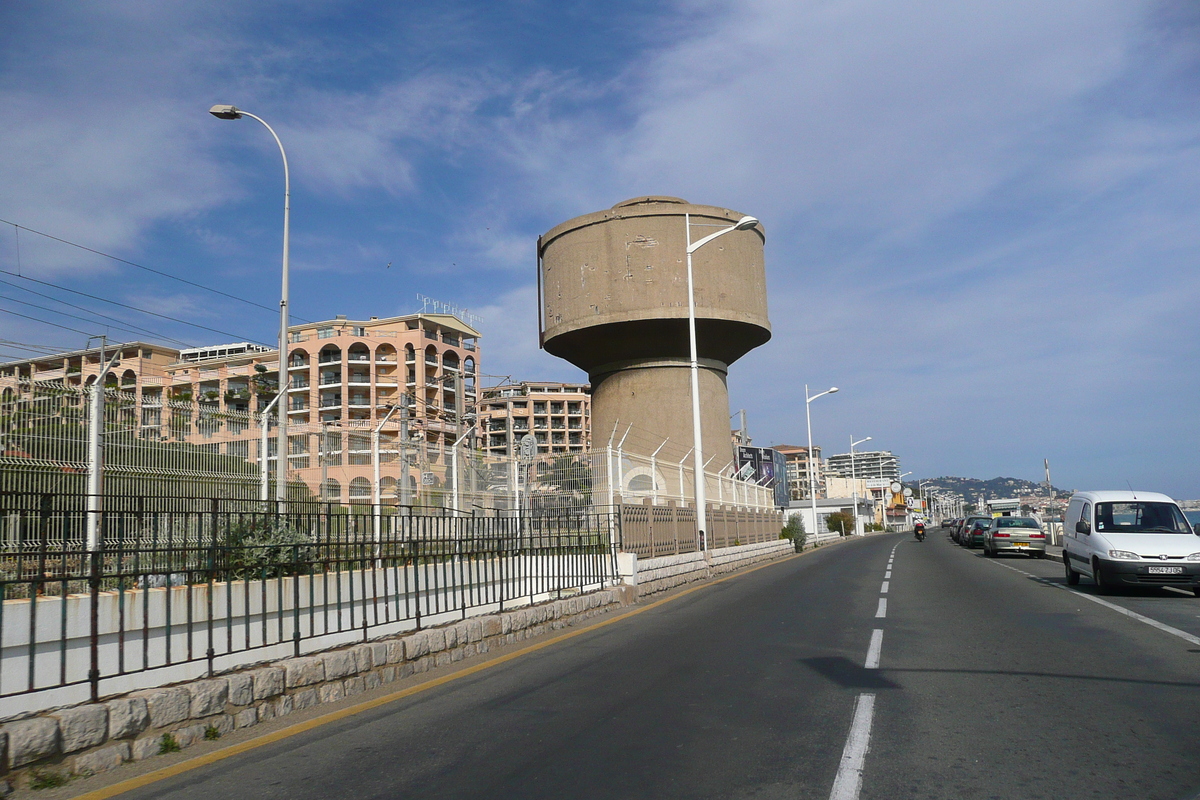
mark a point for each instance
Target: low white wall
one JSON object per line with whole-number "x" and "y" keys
{"x": 652, "y": 575}
{"x": 145, "y": 639}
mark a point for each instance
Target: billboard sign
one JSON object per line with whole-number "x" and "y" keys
{"x": 766, "y": 467}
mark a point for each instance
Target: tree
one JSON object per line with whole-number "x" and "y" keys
{"x": 840, "y": 522}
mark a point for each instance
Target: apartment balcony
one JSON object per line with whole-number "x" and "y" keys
{"x": 385, "y": 359}
{"x": 431, "y": 362}
{"x": 359, "y": 357}
{"x": 469, "y": 345}
{"x": 298, "y": 365}
{"x": 331, "y": 402}
{"x": 331, "y": 380}
{"x": 330, "y": 359}
{"x": 360, "y": 402}
{"x": 296, "y": 386}
{"x": 385, "y": 382}
{"x": 360, "y": 380}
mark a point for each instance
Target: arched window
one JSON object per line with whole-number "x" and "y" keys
{"x": 358, "y": 352}
{"x": 469, "y": 374}
{"x": 331, "y": 354}
{"x": 360, "y": 489}
{"x": 385, "y": 352}
{"x": 128, "y": 378}
{"x": 641, "y": 483}
{"x": 331, "y": 491}
{"x": 298, "y": 358}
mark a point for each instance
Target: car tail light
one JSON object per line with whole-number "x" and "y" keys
{"x": 1001, "y": 535}
{"x": 1037, "y": 536}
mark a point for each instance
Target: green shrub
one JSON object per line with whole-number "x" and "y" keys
{"x": 168, "y": 744}
{"x": 265, "y": 548}
{"x": 211, "y": 733}
{"x": 794, "y": 530}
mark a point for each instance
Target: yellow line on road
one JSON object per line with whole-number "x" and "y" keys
{"x": 333, "y": 716}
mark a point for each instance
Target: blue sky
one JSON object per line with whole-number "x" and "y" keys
{"x": 981, "y": 217}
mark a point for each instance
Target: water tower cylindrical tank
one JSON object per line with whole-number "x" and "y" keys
{"x": 614, "y": 302}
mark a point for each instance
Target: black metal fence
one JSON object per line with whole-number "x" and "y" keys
{"x": 172, "y": 584}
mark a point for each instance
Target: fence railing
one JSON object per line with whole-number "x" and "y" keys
{"x": 226, "y": 586}
{"x": 659, "y": 530}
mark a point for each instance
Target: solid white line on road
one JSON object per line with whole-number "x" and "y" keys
{"x": 883, "y": 588}
{"x": 882, "y": 610}
{"x": 873, "y": 650}
{"x": 848, "y": 782}
{"x": 1153, "y": 623}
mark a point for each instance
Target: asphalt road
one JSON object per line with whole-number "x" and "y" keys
{"x": 978, "y": 678}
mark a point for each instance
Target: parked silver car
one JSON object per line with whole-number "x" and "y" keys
{"x": 1014, "y": 535}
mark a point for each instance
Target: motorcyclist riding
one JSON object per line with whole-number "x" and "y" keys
{"x": 919, "y": 530}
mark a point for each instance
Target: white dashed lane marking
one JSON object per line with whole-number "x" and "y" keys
{"x": 848, "y": 782}
{"x": 873, "y": 651}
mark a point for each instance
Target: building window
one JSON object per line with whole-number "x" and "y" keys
{"x": 326, "y": 333}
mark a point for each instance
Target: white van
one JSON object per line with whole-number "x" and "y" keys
{"x": 1130, "y": 539}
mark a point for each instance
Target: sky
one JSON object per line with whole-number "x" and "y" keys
{"x": 981, "y": 217}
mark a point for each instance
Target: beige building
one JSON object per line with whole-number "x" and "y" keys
{"x": 797, "y": 459}
{"x": 557, "y": 414}
{"x": 344, "y": 377}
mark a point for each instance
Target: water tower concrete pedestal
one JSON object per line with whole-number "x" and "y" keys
{"x": 614, "y": 302}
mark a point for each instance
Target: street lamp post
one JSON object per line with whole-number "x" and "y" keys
{"x": 742, "y": 224}
{"x": 812, "y": 485}
{"x": 900, "y": 480}
{"x": 854, "y": 481}
{"x": 281, "y": 432}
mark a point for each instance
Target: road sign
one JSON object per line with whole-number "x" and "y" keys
{"x": 427, "y": 479}
{"x": 528, "y": 446}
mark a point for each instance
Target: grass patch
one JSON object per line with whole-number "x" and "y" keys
{"x": 48, "y": 779}
{"x": 211, "y": 733}
{"x": 168, "y": 744}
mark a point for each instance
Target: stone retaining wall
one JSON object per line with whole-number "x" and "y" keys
{"x": 96, "y": 737}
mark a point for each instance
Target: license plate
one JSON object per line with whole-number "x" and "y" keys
{"x": 1165, "y": 570}
{"x": 1020, "y": 544}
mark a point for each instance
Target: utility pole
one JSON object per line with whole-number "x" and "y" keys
{"x": 405, "y": 493}
{"x": 95, "y": 462}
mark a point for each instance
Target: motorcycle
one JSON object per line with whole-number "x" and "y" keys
{"x": 919, "y": 530}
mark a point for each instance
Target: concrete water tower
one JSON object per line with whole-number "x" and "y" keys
{"x": 613, "y": 296}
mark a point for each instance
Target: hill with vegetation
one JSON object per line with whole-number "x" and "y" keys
{"x": 992, "y": 489}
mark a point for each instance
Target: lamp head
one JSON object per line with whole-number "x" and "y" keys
{"x": 225, "y": 112}
{"x": 833, "y": 390}
{"x": 745, "y": 223}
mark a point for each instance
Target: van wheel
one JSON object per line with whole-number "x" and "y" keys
{"x": 1103, "y": 585}
{"x": 1072, "y": 575}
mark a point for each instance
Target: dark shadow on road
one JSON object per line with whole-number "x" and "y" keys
{"x": 846, "y": 673}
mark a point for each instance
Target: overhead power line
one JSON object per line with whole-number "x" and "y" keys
{"x": 19, "y": 227}
{"x": 119, "y": 327}
{"x": 131, "y": 308}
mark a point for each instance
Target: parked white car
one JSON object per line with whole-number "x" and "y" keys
{"x": 1130, "y": 539}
